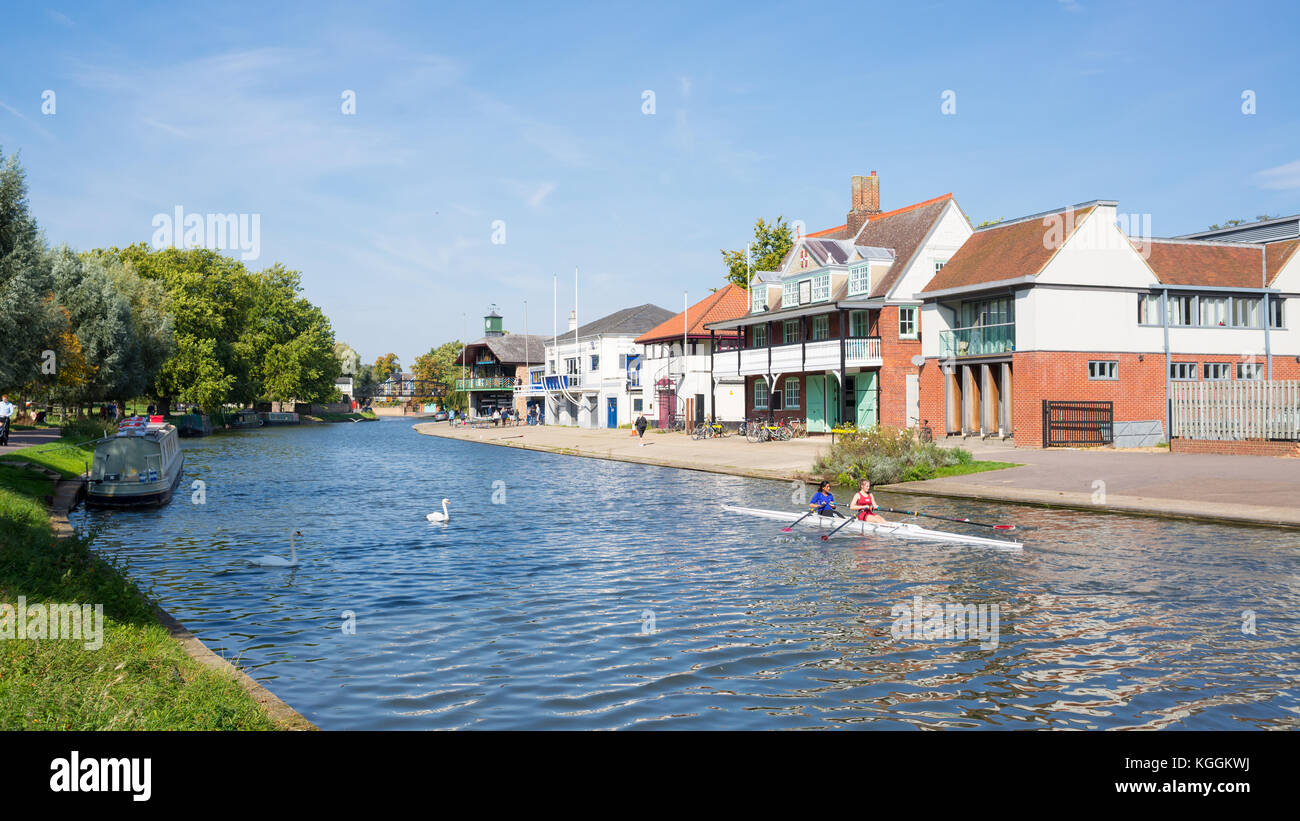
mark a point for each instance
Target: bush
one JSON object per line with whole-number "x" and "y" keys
{"x": 886, "y": 456}
{"x": 84, "y": 429}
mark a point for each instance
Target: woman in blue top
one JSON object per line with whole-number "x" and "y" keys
{"x": 823, "y": 501}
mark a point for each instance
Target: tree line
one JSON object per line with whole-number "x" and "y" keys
{"x": 176, "y": 325}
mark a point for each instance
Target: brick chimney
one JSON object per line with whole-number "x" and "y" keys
{"x": 866, "y": 202}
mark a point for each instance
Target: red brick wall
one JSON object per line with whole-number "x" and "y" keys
{"x": 1138, "y": 394}
{"x": 897, "y": 357}
{"x": 779, "y": 415}
{"x": 1248, "y": 447}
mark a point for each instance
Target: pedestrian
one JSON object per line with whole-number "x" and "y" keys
{"x": 641, "y": 425}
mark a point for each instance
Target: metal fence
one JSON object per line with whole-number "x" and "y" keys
{"x": 1235, "y": 409}
{"x": 1078, "y": 423}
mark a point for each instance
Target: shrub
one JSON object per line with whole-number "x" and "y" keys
{"x": 886, "y": 456}
{"x": 84, "y": 429}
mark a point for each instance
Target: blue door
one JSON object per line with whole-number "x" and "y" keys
{"x": 613, "y": 412}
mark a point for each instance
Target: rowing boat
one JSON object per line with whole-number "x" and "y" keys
{"x": 898, "y": 530}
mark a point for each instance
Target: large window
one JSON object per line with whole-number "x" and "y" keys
{"x": 792, "y": 393}
{"x": 988, "y": 312}
{"x": 571, "y": 365}
{"x": 1182, "y": 310}
{"x": 789, "y": 294}
{"x": 859, "y": 324}
{"x": 859, "y": 280}
{"x": 1182, "y": 370}
{"x": 1250, "y": 370}
{"x": 758, "y": 335}
{"x": 1149, "y": 309}
{"x": 1103, "y": 369}
{"x": 1210, "y": 311}
{"x": 821, "y": 287}
{"x": 758, "y": 298}
{"x": 1214, "y": 310}
{"x": 791, "y": 331}
{"x": 821, "y": 327}
{"x": 760, "y": 395}
{"x": 907, "y": 322}
{"x": 1275, "y": 315}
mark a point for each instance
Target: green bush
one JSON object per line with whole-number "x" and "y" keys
{"x": 886, "y": 456}
{"x": 84, "y": 429}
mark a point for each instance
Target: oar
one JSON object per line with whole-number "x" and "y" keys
{"x": 826, "y": 537}
{"x": 790, "y": 526}
{"x": 945, "y": 518}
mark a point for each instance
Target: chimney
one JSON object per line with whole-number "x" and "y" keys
{"x": 865, "y": 203}
{"x": 573, "y": 320}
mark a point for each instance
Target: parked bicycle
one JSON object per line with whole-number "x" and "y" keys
{"x": 707, "y": 430}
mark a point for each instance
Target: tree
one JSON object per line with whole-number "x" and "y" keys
{"x": 288, "y": 341}
{"x": 29, "y": 320}
{"x": 438, "y": 365}
{"x": 100, "y": 319}
{"x": 365, "y": 385}
{"x": 772, "y": 241}
{"x": 387, "y": 365}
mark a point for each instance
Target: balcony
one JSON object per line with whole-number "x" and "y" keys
{"x": 822, "y": 355}
{"x": 555, "y": 382}
{"x": 486, "y": 383}
{"x": 979, "y": 340}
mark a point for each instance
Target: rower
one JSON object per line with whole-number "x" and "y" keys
{"x": 823, "y": 501}
{"x": 864, "y": 504}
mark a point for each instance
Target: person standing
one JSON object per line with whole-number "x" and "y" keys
{"x": 641, "y": 424}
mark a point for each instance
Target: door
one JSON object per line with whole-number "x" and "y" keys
{"x": 865, "y": 388}
{"x": 816, "y": 404}
{"x": 913, "y": 399}
{"x": 699, "y": 409}
{"x": 612, "y": 412}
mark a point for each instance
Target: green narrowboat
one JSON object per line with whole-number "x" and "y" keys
{"x": 139, "y": 466}
{"x": 245, "y": 419}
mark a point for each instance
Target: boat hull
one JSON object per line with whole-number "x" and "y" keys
{"x": 134, "y": 494}
{"x": 897, "y": 530}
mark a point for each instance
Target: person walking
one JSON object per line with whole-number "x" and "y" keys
{"x": 641, "y": 425}
{"x": 6, "y": 419}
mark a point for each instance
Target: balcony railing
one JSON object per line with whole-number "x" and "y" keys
{"x": 823, "y": 354}
{"x": 486, "y": 383}
{"x": 979, "y": 340}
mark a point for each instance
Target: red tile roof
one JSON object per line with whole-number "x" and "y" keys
{"x": 829, "y": 231}
{"x": 903, "y": 230}
{"x": 1226, "y": 265}
{"x": 1005, "y": 251}
{"x": 730, "y": 302}
{"x": 1279, "y": 254}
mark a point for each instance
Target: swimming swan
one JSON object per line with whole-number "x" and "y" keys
{"x": 440, "y": 517}
{"x": 280, "y": 561}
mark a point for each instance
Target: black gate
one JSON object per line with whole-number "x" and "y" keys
{"x": 1078, "y": 423}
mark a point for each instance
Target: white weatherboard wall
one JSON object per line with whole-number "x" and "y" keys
{"x": 946, "y": 236}
{"x": 609, "y": 380}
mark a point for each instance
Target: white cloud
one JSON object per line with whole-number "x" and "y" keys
{"x": 1282, "y": 177}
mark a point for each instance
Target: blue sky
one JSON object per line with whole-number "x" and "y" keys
{"x": 471, "y": 113}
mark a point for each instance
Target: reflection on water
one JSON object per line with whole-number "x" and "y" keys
{"x": 610, "y": 595}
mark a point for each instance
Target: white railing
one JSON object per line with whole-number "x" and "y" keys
{"x": 1235, "y": 409}
{"x": 862, "y": 351}
{"x": 822, "y": 354}
{"x": 787, "y": 358}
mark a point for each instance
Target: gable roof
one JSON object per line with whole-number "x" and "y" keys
{"x": 1008, "y": 250}
{"x": 635, "y": 320}
{"x": 723, "y": 304}
{"x": 511, "y": 349}
{"x": 1216, "y": 264}
{"x": 903, "y": 229}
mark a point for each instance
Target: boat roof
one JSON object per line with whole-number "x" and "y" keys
{"x": 152, "y": 427}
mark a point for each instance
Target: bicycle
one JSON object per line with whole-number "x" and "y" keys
{"x": 757, "y": 432}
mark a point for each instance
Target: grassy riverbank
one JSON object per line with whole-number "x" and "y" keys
{"x": 890, "y": 456}
{"x": 140, "y": 678}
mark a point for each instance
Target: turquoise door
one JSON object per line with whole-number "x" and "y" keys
{"x": 822, "y": 402}
{"x": 865, "y": 387}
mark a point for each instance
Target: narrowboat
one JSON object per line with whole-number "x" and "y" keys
{"x": 139, "y": 466}
{"x": 245, "y": 419}
{"x": 195, "y": 424}
{"x": 279, "y": 418}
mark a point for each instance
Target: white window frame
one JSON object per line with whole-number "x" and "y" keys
{"x": 908, "y": 310}
{"x": 821, "y": 287}
{"x": 1103, "y": 370}
{"x": 805, "y": 293}
{"x": 760, "y": 389}
{"x": 821, "y": 327}
{"x": 866, "y": 324}
{"x": 860, "y": 279}
{"x": 789, "y": 294}
{"x": 758, "y": 298}
{"x": 791, "y": 382}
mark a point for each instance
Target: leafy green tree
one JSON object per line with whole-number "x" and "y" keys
{"x": 386, "y": 366}
{"x": 29, "y": 320}
{"x": 100, "y": 318}
{"x": 365, "y": 385}
{"x": 438, "y": 365}
{"x": 290, "y": 341}
{"x": 772, "y": 241}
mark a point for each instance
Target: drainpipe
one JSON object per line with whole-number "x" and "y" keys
{"x": 1263, "y": 277}
{"x": 713, "y": 386}
{"x": 1164, "y": 320}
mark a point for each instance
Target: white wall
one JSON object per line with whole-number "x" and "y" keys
{"x": 947, "y": 235}
{"x": 1097, "y": 253}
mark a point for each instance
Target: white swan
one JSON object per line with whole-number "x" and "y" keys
{"x": 440, "y": 517}
{"x": 280, "y": 561}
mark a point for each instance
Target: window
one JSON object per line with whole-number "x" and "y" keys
{"x": 907, "y": 322}
{"x": 791, "y": 331}
{"x": 622, "y": 361}
{"x": 988, "y": 312}
{"x": 1250, "y": 370}
{"x": 789, "y": 294}
{"x": 821, "y": 327}
{"x": 1245, "y": 312}
{"x": 859, "y": 324}
{"x": 938, "y": 265}
{"x": 1214, "y": 310}
{"x": 760, "y": 395}
{"x": 637, "y": 406}
{"x": 1104, "y": 369}
{"x": 758, "y": 336}
{"x": 571, "y": 365}
{"x": 805, "y": 291}
{"x": 1215, "y": 370}
{"x": 1182, "y": 370}
{"x": 758, "y": 298}
{"x": 821, "y": 287}
{"x": 595, "y": 363}
{"x": 860, "y": 279}
{"x": 1149, "y": 309}
{"x": 550, "y": 366}
{"x": 1182, "y": 310}
{"x": 792, "y": 393}
{"x": 1275, "y": 316}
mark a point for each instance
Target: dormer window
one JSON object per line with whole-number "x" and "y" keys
{"x": 758, "y": 299}
{"x": 859, "y": 280}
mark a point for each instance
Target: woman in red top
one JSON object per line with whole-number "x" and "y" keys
{"x": 864, "y": 504}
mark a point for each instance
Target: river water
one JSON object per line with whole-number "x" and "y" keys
{"x": 573, "y": 593}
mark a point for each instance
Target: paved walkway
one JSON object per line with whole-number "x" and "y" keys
{"x": 1237, "y": 489}
{"x": 27, "y": 438}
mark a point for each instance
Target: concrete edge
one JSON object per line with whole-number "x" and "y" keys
{"x": 1133, "y": 506}
{"x": 68, "y": 493}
